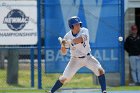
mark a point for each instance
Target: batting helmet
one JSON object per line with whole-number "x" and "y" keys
{"x": 74, "y": 20}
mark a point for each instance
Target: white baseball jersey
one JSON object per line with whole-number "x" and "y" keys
{"x": 81, "y": 49}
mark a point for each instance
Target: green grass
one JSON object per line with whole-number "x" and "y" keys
{"x": 124, "y": 88}
{"x": 78, "y": 81}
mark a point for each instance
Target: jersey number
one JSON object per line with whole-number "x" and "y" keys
{"x": 84, "y": 44}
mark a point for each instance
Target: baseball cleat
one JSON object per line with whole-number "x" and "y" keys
{"x": 104, "y": 92}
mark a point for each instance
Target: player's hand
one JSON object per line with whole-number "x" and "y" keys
{"x": 63, "y": 51}
{"x": 63, "y": 47}
{"x": 63, "y": 43}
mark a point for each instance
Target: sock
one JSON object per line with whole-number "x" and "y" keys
{"x": 56, "y": 86}
{"x": 102, "y": 82}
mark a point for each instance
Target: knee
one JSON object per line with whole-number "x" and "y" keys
{"x": 63, "y": 79}
{"x": 101, "y": 71}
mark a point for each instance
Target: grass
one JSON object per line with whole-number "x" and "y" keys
{"x": 78, "y": 81}
{"x": 124, "y": 88}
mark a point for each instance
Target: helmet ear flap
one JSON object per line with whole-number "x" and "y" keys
{"x": 80, "y": 24}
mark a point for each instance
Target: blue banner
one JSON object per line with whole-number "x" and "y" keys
{"x": 101, "y": 17}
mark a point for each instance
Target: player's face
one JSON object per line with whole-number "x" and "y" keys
{"x": 76, "y": 28}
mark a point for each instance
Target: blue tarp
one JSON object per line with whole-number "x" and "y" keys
{"x": 101, "y": 17}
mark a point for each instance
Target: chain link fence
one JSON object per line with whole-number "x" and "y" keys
{"x": 15, "y": 68}
{"x": 15, "y": 71}
{"x": 15, "y": 60}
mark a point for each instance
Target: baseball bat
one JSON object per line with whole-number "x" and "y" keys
{"x": 60, "y": 39}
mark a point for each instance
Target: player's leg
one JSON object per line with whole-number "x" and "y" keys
{"x": 72, "y": 67}
{"x": 102, "y": 82}
{"x": 56, "y": 86}
{"x": 94, "y": 65}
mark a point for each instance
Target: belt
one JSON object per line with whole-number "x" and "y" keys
{"x": 84, "y": 56}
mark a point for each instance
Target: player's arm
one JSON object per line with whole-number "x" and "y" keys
{"x": 77, "y": 40}
{"x": 80, "y": 39}
{"x": 63, "y": 48}
{"x": 63, "y": 44}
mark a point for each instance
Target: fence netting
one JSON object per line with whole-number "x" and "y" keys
{"x": 15, "y": 67}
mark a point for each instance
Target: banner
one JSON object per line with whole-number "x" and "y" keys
{"x": 18, "y": 22}
{"x": 101, "y": 17}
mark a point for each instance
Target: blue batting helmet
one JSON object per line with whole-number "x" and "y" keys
{"x": 74, "y": 20}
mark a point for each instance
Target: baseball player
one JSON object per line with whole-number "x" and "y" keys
{"x": 77, "y": 40}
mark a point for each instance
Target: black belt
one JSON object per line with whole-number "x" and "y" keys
{"x": 84, "y": 56}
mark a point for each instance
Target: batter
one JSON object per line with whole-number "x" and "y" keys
{"x": 77, "y": 40}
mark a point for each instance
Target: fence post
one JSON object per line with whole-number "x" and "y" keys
{"x": 32, "y": 67}
{"x": 39, "y": 44}
{"x": 122, "y": 46}
{"x": 2, "y": 57}
{"x": 12, "y": 68}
